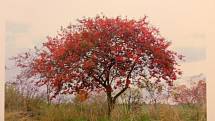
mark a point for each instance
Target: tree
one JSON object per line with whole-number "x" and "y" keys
{"x": 190, "y": 95}
{"x": 102, "y": 54}
{"x": 154, "y": 90}
{"x": 131, "y": 97}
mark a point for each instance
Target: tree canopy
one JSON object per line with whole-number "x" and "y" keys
{"x": 101, "y": 54}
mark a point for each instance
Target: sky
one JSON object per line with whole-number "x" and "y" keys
{"x": 189, "y": 24}
{"x": 182, "y": 22}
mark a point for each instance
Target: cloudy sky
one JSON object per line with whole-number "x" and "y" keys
{"x": 182, "y": 22}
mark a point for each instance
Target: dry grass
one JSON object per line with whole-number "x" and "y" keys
{"x": 38, "y": 110}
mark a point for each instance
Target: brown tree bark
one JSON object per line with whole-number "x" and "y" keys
{"x": 110, "y": 103}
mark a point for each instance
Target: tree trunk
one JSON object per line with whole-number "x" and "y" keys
{"x": 110, "y": 103}
{"x": 48, "y": 93}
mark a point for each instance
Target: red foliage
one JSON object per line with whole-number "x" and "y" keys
{"x": 96, "y": 52}
{"x": 190, "y": 95}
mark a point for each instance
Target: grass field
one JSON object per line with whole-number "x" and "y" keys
{"x": 20, "y": 108}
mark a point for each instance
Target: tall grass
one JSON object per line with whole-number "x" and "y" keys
{"x": 18, "y": 108}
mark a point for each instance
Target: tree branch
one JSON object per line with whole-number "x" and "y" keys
{"x": 108, "y": 71}
{"x": 123, "y": 90}
{"x": 98, "y": 80}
